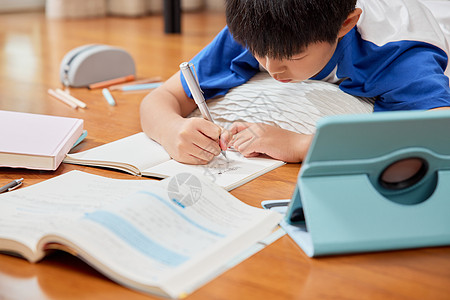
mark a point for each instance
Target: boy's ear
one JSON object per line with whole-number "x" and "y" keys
{"x": 350, "y": 22}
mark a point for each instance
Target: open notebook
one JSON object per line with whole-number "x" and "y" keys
{"x": 140, "y": 155}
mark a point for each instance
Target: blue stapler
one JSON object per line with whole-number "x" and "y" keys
{"x": 372, "y": 183}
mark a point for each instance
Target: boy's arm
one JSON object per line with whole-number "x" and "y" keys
{"x": 188, "y": 140}
{"x": 441, "y": 108}
{"x": 412, "y": 78}
{"x": 221, "y": 65}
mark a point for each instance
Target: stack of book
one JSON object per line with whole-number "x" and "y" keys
{"x": 36, "y": 141}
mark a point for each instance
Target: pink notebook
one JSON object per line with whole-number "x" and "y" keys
{"x": 36, "y": 141}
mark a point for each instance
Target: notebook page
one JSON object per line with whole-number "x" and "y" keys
{"x": 227, "y": 173}
{"x": 137, "y": 150}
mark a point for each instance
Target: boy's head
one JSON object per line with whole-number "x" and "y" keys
{"x": 292, "y": 39}
{"x": 283, "y": 28}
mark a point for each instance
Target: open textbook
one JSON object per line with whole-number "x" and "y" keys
{"x": 140, "y": 155}
{"x": 164, "y": 237}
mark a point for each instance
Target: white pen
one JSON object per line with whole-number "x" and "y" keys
{"x": 108, "y": 96}
{"x": 196, "y": 92}
{"x": 71, "y": 98}
{"x": 62, "y": 99}
{"x": 11, "y": 186}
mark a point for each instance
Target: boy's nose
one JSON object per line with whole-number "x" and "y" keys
{"x": 274, "y": 66}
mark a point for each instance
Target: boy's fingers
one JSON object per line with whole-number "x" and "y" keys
{"x": 241, "y": 141}
{"x": 225, "y": 139}
{"x": 244, "y": 147}
{"x": 253, "y": 154}
{"x": 202, "y": 156}
{"x": 199, "y": 155}
{"x": 210, "y": 129}
{"x": 206, "y": 145}
{"x": 207, "y": 140}
{"x": 238, "y": 126}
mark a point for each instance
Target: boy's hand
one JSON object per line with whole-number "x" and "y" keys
{"x": 193, "y": 141}
{"x": 253, "y": 139}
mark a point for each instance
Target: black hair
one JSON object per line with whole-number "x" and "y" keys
{"x": 283, "y": 28}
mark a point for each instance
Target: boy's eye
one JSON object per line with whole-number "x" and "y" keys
{"x": 297, "y": 58}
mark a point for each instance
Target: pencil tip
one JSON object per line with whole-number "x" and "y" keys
{"x": 224, "y": 155}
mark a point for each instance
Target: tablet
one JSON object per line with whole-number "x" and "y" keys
{"x": 374, "y": 182}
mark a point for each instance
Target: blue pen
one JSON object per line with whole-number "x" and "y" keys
{"x": 144, "y": 86}
{"x": 108, "y": 97}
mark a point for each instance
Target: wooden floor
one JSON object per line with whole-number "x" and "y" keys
{"x": 31, "y": 49}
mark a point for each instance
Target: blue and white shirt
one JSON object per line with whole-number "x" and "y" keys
{"x": 397, "y": 53}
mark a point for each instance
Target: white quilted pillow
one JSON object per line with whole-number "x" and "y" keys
{"x": 292, "y": 106}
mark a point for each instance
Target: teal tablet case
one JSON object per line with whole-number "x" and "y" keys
{"x": 374, "y": 182}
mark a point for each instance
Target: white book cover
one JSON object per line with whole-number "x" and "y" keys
{"x": 36, "y": 141}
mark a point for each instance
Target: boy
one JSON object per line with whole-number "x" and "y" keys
{"x": 391, "y": 50}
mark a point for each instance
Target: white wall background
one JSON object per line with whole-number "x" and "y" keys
{"x": 17, "y": 5}
{"x": 125, "y": 7}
